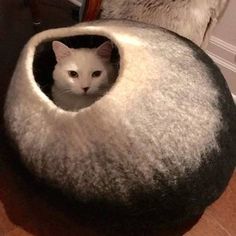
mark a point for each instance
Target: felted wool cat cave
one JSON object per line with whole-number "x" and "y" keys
{"x": 160, "y": 144}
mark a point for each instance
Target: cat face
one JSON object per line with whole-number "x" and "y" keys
{"x": 81, "y": 71}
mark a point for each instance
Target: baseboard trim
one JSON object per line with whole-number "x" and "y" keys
{"x": 223, "y": 53}
{"x": 221, "y": 61}
{"x": 223, "y": 45}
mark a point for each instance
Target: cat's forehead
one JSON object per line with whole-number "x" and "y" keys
{"x": 86, "y": 56}
{"x": 82, "y": 59}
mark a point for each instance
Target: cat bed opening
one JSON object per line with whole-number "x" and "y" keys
{"x": 159, "y": 145}
{"x": 45, "y": 61}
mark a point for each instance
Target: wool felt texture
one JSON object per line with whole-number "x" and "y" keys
{"x": 160, "y": 144}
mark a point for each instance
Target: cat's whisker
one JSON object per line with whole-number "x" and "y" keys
{"x": 65, "y": 91}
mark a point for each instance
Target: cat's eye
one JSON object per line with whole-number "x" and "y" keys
{"x": 73, "y": 74}
{"x": 96, "y": 73}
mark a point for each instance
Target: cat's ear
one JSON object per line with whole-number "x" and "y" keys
{"x": 104, "y": 50}
{"x": 61, "y": 50}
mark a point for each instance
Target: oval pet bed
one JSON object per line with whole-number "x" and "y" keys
{"x": 160, "y": 144}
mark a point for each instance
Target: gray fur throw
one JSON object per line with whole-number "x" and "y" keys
{"x": 192, "y": 19}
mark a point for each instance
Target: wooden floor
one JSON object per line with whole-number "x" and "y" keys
{"x": 26, "y": 207}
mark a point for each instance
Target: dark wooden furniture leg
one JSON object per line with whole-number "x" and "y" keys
{"x": 35, "y": 12}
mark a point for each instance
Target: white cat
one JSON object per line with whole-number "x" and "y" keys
{"x": 80, "y": 76}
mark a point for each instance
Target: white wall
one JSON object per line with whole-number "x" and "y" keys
{"x": 226, "y": 30}
{"x": 222, "y": 46}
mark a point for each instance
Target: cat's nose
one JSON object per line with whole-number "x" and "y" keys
{"x": 85, "y": 89}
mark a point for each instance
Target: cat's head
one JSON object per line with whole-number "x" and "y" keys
{"x": 81, "y": 71}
